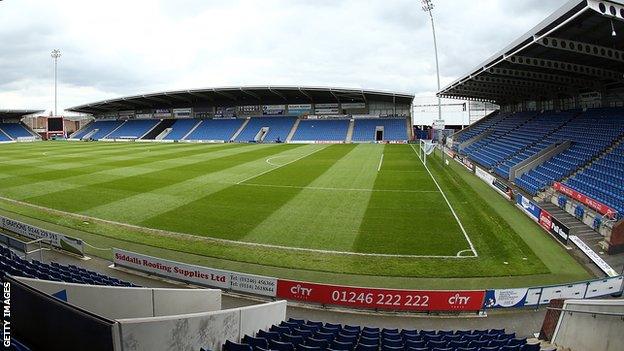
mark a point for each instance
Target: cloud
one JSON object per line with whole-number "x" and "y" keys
{"x": 115, "y": 48}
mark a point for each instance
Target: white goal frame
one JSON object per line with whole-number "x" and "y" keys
{"x": 426, "y": 147}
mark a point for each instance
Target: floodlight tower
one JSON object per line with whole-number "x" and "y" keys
{"x": 427, "y": 6}
{"x": 56, "y": 53}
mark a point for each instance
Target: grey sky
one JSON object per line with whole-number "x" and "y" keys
{"x": 115, "y": 48}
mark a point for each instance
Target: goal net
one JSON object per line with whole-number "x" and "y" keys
{"x": 427, "y": 147}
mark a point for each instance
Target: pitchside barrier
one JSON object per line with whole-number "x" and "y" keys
{"x": 362, "y": 297}
{"x": 549, "y": 223}
{"x": 494, "y": 183}
{"x": 57, "y": 240}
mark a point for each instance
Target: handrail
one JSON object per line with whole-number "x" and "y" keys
{"x": 611, "y": 314}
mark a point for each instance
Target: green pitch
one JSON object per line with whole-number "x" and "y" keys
{"x": 349, "y": 209}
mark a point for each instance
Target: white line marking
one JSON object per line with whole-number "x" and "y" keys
{"x": 459, "y": 254}
{"x": 472, "y": 248}
{"x": 218, "y": 240}
{"x": 333, "y": 189}
{"x": 280, "y": 166}
{"x": 380, "y": 163}
{"x": 268, "y": 160}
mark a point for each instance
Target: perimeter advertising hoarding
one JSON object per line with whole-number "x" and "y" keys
{"x": 582, "y": 198}
{"x": 60, "y": 241}
{"x": 505, "y": 298}
{"x": 273, "y": 109}
{"x": 465, "y": 162}
{"x": 196, "y": 274}
{"x": 604, "y": 266}
{"x": 352, "y": 105}
{"x": 493, "y": 182}
{"x": 529, "y": 207}
{"x": 382, "y": 299}
{"x": 510, "y": 298}
{"x": 553, "y": 226}
{"x": 298, "y": 109}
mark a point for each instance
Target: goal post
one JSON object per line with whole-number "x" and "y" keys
{"x": 427, "y": 147}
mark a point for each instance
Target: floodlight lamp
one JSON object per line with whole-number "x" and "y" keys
{"x": 427, "y": 5}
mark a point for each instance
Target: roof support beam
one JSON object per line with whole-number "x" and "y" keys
{"x": 566, "y": 67}
{"x": 253, "y": 95}
{"x": 124, "y": 104}
{"x": 278, "y": 94}
{"x": 201, "y": 95}
{"x": 179, "y": 98}
{"x": 582, "y": 48}
{"x": 306, "y": 94}
{"x": 507, "y": 90}
{"x": 157, "y": 99}
{"x": 229, "y": 96}
{"x": 497, "y": 81}
{"x": 137, "y": 103}
{"x": 542, "y": 77}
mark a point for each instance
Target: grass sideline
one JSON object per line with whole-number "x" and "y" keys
{"x": 488, "y": 219}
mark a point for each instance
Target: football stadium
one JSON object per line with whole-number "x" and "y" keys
{"x": 315, "y": 218}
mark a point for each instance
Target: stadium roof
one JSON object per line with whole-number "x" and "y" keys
{"x": 240, "y": 96}
{"x": 12, "y": 114}
{"x": 571, "y": 52}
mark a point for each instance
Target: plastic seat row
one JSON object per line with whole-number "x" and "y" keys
{"x": 14, "y": 130}
{"x": 11, "y": 264}
{"x": 300, "y": 335}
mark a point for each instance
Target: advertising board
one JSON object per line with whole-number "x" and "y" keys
{"x": 582, "y": 198}
{"x": 193, "y": 274}
{"x": 529, "y": 207}
{"x": 383, "y": 299}
{"x": 505, "y": 298}
{"x": 60, "y": 241}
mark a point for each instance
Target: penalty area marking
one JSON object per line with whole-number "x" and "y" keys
{"x": 279, "y": 166}
{"x": 218, "y": 240}
{"x": 380, "y": 163}
{"x": 472, "y": 248}
{"x": 333, "y": 189}
{"x": 268, "y": 160}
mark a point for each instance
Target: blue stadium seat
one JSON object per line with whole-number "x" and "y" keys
{"x": 14, "y": 130}
{"x": 133, "y": 129}
{"x": 215, "y": 129}
{"x": 180, "y": 128}
{"x": 395, "y": 129}
{"x": 11, "y": 264}
{"x": 232, "y": 346}
{"x": 321, "y": 130}
{"x": 278, "y": 128}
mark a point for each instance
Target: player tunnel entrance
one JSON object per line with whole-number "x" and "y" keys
{"x": 379, "y": 133}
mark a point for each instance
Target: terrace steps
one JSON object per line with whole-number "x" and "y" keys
{"x": 114, "y": 130}
{"x": 153, "y": 133}
{"x": 192, "y": 129}
{"x": 604, "y": 152}
{"x": 349, "y": 137}
{"x": 240, "y": 130}
{"x": 7, "y": 135}
{"x": 81, "y": 129}
{"x": 546, "y": 136}
{"x": 293, "y": 130}
{"x": 157, "y": 129}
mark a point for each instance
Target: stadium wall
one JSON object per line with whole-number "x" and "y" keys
{"x": 591, "y": 325}
{"x": 190, "y": 332}
{"x": 121, "y": 302}
{"x": 46, "y": 323}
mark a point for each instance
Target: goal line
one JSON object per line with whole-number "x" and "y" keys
{"x": 461, "y": 226}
